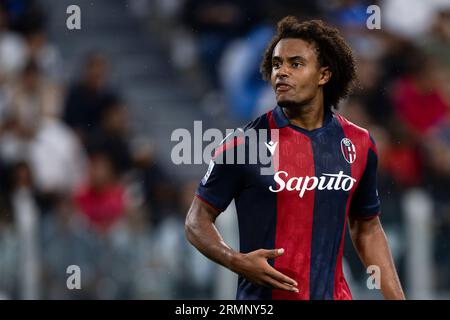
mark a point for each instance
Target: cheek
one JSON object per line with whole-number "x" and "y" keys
{"x": 307, "y": 80}
{"x": 273, "y": 79}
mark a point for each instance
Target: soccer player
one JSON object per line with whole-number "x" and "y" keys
{"x": 292, "y": 223}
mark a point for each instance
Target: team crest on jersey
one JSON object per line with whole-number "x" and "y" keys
{"x": 348, "y": 150}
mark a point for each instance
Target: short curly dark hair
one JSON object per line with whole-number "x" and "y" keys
{"x": 332, "y": 51}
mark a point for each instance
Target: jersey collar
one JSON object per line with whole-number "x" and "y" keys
{"x": 282, "y": 121}
{"x": 280, "y": 118}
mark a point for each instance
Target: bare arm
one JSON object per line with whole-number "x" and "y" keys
{"x": 371, "y": 244}
{"x": 202, "y": 233}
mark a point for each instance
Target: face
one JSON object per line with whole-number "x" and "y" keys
{"x": 116, "y": 119}
{"x": 297, "y": 77}
{"x": 101, "y": 171}
{"x": 96, "y": 72}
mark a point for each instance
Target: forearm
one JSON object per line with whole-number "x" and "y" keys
{"x": 373, "y": 249}
{"x": 202, "y": 233}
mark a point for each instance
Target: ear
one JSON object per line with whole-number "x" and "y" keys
{"x": 325, "y": 75}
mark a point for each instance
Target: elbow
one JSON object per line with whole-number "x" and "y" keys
{"x": 197, "y": 223}
{"x": 365, "y": 232}
{"x": 357, "y": 233}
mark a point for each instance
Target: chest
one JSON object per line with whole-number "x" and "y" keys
{"x": 326, "y": 162}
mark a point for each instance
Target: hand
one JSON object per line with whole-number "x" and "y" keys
{"x": 254, "y": 267}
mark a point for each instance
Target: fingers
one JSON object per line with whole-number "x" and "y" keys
{"x": 273, "y": 278}
{"x": 278, "y": 276}
{"x": 272, "y": 272}
{"x": 271, "y": 254}
{"x": 279, "y": 285}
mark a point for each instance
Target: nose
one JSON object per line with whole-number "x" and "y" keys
{"x": 282, "y": 72}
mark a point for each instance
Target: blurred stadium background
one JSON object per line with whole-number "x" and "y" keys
{"x": 86, "y": 117}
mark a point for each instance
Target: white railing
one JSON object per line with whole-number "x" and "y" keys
{"x": 418, "y": 210}
{"x": 26, "y": 216}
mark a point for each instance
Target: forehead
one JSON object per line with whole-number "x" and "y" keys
{"x": 291, "y": 47}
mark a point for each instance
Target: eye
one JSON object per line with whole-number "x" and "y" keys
{"x": 276, "y": 65}
{"x": 296, "y": 64}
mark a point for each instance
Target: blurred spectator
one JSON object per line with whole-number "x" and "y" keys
{"x": 35, "y": 134}
{"x": 45, "y": 54}
{"x": 216, "y": 23}
{"x": 24, "y": 14}
{"x": 419, "y": 91}
{"x": 402, "y": 161}
{"x": 89, "y": 98}
{"x": 28, "y": 101}
{"x": 354, "y": 110}
{"x": 56, "y": 158}
{"x": 348, "y": 14}
{"x": 157, "y": 188}
{"x": 239, "y": 72}
{"x": 416, "y": 18}
{"x": 12, "y": 49}
{"x": 437, "y": 45}
{"x": 102, "y": 198}
{"x": 112, "y": 136}
{"x": 34, "y": 97}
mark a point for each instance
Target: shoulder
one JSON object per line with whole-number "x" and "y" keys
{"x": 350, "y": 127}
{"x": 262, "y": 122}
{"x": 239, "y": 137}
{"x": 355, "y": 132}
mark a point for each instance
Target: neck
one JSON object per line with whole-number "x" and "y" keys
{"x": 308, "y": 116}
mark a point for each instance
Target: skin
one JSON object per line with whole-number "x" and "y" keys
{"x": 202, "y": 233}
{"x": 371, "y": 244}
{"x": 297, "y": 79}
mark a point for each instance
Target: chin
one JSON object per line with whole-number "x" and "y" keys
{"x": 286, "y": 103}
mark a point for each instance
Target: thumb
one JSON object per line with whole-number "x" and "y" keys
{"x": 270, "y": 254}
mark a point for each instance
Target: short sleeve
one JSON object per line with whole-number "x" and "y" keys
{"x": 220, "y": 184}
{"x": 365, "y": 203}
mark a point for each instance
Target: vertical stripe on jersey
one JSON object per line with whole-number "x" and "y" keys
{"x": 329, "y": 212}
{"x": 342, "y": 291}
{"x": 294, "y": 214}
{"x": 256, "y": 226}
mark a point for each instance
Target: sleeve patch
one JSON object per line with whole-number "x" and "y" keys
{"x": 208, "y": 172}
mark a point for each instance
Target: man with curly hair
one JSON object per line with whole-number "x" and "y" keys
{"x": 292, "y": 223}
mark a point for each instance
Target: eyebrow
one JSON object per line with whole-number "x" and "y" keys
{"x": 292, "y": 58}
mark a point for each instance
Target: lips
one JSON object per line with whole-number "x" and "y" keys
{"x": 282, "y": 87}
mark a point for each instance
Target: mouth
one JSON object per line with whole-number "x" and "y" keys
{"x": 282, "y": 87}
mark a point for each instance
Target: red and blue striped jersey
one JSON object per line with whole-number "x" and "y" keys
{"x": 320, "y": 178}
